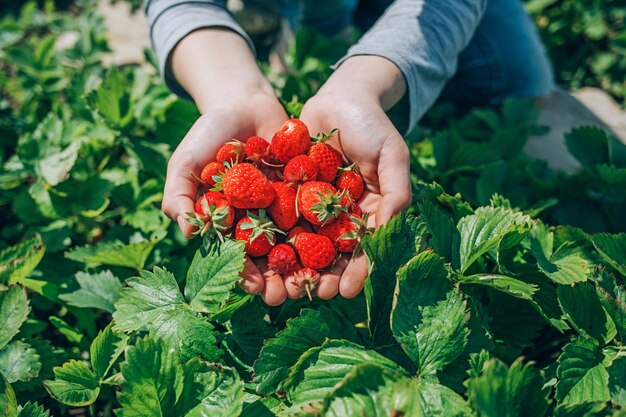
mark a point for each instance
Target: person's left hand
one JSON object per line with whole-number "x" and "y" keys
{"x": 366, "y": 137}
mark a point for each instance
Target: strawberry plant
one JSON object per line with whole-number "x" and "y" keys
{"x": 500, "y": 292}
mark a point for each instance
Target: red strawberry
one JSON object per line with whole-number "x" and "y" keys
{"x": 346, "y": 232}
{"x": 320, "y": 203}
{"x": 212, "y": 214}
{"x": 231, "y": 152}
{"x": 283, "y": 208}
{"x": 246, "y": 187}
{"x": 352, "y": 182}
{"x": 315, "y": 251}
{"x": 328, "y": 158}
{"x": 306, "y": 280}
{"x": 291, "y": 139}
{"x": 282, "y": 259}
{"x": 355, "y": 209}
{"x": 295, "y": 231}
{"x": 212, "y": 172}
{"x": 257, "y": 149}
{"x": 300, "y": 169}
{"x": 258, "y": 232}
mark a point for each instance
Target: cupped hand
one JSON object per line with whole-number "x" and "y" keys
{"x": 257, "y": 114}
{"x": 366, "y": 137}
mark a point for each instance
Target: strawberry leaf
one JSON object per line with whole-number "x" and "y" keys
{"x": 613, "y": 249}
{"x": 17, "y": 262}
{"x": 281, "y": 352}
{"x": 74, "y": 384}
{"x": 581, "y": 373}
{"x": 212, "y": 274}
{"x": 154, "y": 302}
{"x": 14, "y": 309}
{"x": 19, "y": 362}
{"x": 100, "y": 290}
{"x": 584, "y": 311}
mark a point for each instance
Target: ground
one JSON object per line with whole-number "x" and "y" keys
{"x": 562, "y": 111}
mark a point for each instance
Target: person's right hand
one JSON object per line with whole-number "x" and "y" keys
{"x": 217, "y": 68}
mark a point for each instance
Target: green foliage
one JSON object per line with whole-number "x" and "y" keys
{"x": 500, "y": 292}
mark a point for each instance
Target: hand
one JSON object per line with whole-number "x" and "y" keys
{"x": 366, "y": 136}
{"x": 240, "y": 104}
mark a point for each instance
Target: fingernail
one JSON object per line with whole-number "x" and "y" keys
{"x": 181, "y": 222}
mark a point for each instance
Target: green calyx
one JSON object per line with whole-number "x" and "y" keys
{"x": 329, "y": 206}
{"x": 261, "y": 225}
{"x": 360, "y": 230}
{"x": 212, "y": 223}
{"x": 323, "y": 137}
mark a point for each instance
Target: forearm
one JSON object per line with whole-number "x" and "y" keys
{"x": 216, "y": 66}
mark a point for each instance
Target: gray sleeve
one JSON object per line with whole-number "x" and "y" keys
{"x": 423, "y": 38}
{"x": 171, "y": 20}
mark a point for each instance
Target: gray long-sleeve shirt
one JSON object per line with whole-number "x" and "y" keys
{"x": 422, "y": 37}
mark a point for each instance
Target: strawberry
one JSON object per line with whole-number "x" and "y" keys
{"x": 282, "y": 259}
{"x": 283, "y": 208}
{"x": 212, "y": 214}
{"x": 212, "y": 173}
{"x": 258, "y": 232}
{"x": 291, "y": 139}
{"x": 328, "y": 158}
{"x": 231, "y": 153}
{"x": 315, "y": 251}
{"x": 346, "y": 232}
{"x": 246, "y": 187}
{"x": 300, "y": 169}
{"x": 295, "y": 231}
{"x": 257, "y": 149}
{"x": 320, "y": 203}
{"x": 306, "y": 280}
{"x": 351, "y": 181}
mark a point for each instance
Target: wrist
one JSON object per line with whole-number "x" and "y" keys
{"x": 225, "y": 71}
{"x": 370, "y": 78}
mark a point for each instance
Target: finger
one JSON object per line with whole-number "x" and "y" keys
{"x": 253, "y": 281}
{"x": 274, "y": 293}
{"x": 293, "y": 291}
{"x": 329, "y": 281}
{"x": 354, "y": 277}
{"x": 394, "y": 179}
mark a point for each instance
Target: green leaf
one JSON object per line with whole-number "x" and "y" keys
{"x": 100, "y": 290}
{"x": 133, "y": 255}
{"x": 581, "y": 373}
{"x": 483, "y": 231}
{"x": 212, "y": 274}
{"x": 444, "y": 234}
{"x": 8, "y": 402}
{"x": 16, "y": 262}
{"x": 55, "y": 168}
{"x": 279, "y": 353}
{"x": 369, "y": 390}
{"x": 14, "y": 310}
{"x": 429, "y": 315}
{"x": 70, "y": 332}
{"x": 105, "y": 349}
{"x": 321, "y": 368}
{"x": 153, "y": 380}
{"x": 153, "y": 301}
{"x": 249, "y": 329}
{"x": 112, "y": 99}
{"x": 582, "y": 306}
{"x": 617, "y": 381}
{"x": 497, "y": 391}
{"x": 613, "y": 300}
{"x": 561, "y": 266}
{"x": 580, "y": 410}
{"x": 74, "y": 384}
{"x": 19, "y": 362}
{"x": 613, "y": 249}
{"x": 511, "y": 286}
{"x": 210, "y": 390}
{"x": 589, "y": 145}
{"x": 387, "y": 250}
{"x": 33, "y": 410}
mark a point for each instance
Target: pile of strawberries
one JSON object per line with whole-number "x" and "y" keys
{"x": 292, "y": 200}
